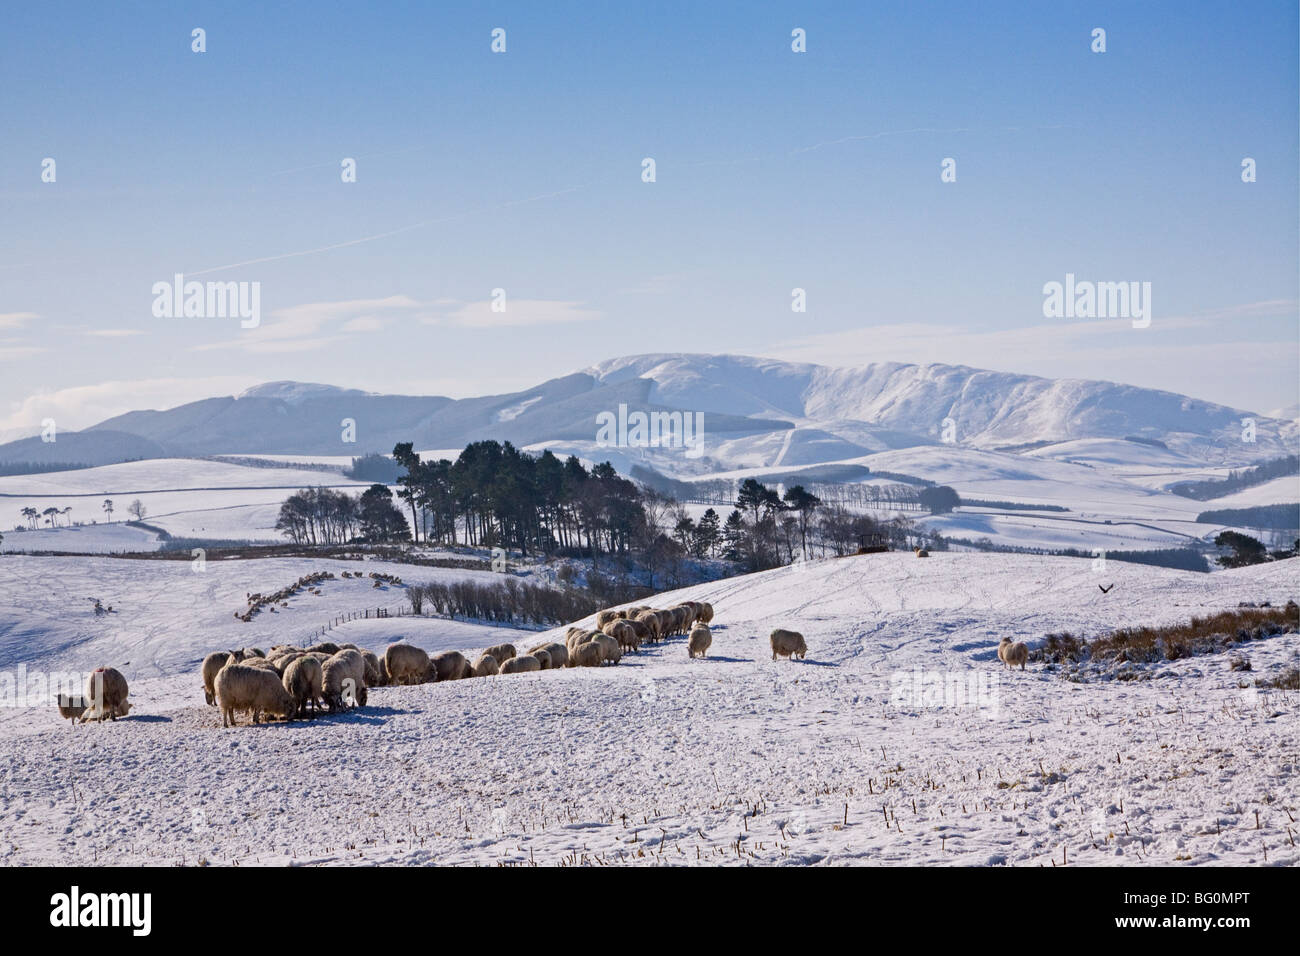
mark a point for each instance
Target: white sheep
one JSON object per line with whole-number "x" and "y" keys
{"x": 450, "y": 665}
{"x": 407, "y": 664}
{"x": 1011, "y": 653}
{"x": 304, "y": 678}
{"x": 700, "y": 640}
{"x": 788, "y": 644}
{"x": 521, "y": 664}
{"x": 254, "y": 689}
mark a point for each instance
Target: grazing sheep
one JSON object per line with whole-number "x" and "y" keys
{"x": 255, "y": 689}
{"x": 641, "y": 630}
{"x": 586, "y": 655}
{"x": 451, "y": 665}
{"x": 788, "y": 644}
{"x": 486, "y": 666}
{"x": 604, "y": 617}
{"x": 521, "y": 665}
{"x": 623, "y": 632}
{"x": 543, "y": 658}
{"x": 558, "y": 653}
{"x": 650, "y": 621}
{"x": 407, "y": 664}
{"x": 701, "y": 638}
{"x": 72, "y": 707}
{"x": 1011, "y": 653}
{"x": 260, "y": 662}
{"x": 304, "y": 678}
{"x": 706, "y": 615}
{"x": 682, "y": 618}
{"x": 212, "y": 664}
{"x": 325, "y": 647}
{"x": 254, "y": 652}
{"x": 376, "y": 676}
{"x": 106, "y": 691}
{"x": 922, "y": 553}
{"x": 502, "y": 652}
{"x": 281, "y": 661}
{"x": 609, "y": 648}
{"x": 345, "y": 666}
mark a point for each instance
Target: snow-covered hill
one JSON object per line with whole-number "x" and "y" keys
{"x": 756, "y": 411}
{"x": 849, "y": 756}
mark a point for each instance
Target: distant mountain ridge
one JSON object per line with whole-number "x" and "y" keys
{"x": 755, "y": 409}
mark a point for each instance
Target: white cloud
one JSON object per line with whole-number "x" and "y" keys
{"x": 16, "y": 320}
{"x": 521, "y": 312}
{"x": 86, "y": 405}
{"x": 313, "y": 325}
{"x": 114, "y": 333}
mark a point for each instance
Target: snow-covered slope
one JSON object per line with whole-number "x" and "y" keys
{"x": 843, "y": 411}
{"x": 849, "y": 756}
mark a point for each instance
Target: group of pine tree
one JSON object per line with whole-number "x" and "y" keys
{"x": 497, "y": 496}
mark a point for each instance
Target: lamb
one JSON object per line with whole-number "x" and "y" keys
{"x": 586, "y": 655}
{"x": 106, "y": 690}
{"x": 407, "y": 664}
{"x": 502, "y": 652}
{"x": 521, "y": 665}
{"x": 486, "y": 666}
{"x": 72, "y": 707}
{"x": 212, "y": 665}
{"x": 336, "y": 673}
{"x": 254, "y": 689}
{"x": 304, "y": 679}
{"x": 701, "y": 638}
{"x": 1011, "y": 653}
{"x": 788, "y": 644}
{"x": 451, "y": 665}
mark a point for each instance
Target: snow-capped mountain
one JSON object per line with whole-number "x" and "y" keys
{"x": 756, "y": 411}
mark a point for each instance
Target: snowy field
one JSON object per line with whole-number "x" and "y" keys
{"x": 1115, "y": 493}
{"x": 186, "y": 497}
{"x": 735, "y": 759}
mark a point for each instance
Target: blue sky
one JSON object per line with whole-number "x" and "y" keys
{"x": 521, "y": 171}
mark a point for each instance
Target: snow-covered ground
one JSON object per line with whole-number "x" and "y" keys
{"x": 846, "y": 757}
{"x": 186, "y": 497}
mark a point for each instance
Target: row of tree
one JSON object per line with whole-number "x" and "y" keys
{"x": 329, "y": 516}
{"x": 494, "y": 495}
{"x": 51, "y": 515}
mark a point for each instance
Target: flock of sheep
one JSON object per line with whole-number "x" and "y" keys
{"x": 291, "y": 682}
{"x": 308, "y": 582}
